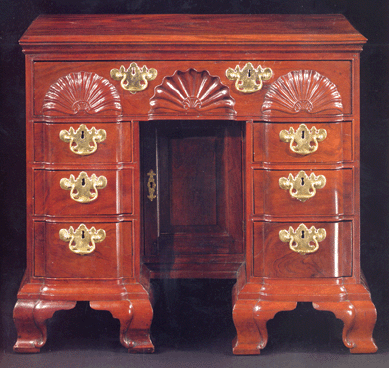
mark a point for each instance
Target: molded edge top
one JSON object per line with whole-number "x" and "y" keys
{"x": 191, "y": 29}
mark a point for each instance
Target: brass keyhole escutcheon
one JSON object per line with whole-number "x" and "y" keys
{"x": 134, "y": 79}
{"x": 151, "y": 185}
{"x": 303, "y": 240}
{"x": 302, "y": 187}
{"x": 83, "y": 141}
{"x": 303, "y": 141}
{"x": 82, "y": 240}
{"x": 249, "y": 79}
{"x": 83, "y": 189}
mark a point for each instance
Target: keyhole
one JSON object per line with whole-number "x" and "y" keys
{"x": 82, "y": 134}
{"x": 83, "y": 182}
{"x": 249, "y": 73}
{"x": 83, "y": 234}
{"x": 302, "y": 234}
{"x": 302, "y": 181}
{"x": 302, "y": 134}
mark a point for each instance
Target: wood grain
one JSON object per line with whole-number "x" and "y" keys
{"x": 219, "y": 209}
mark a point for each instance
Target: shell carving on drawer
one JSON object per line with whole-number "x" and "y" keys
{"x": 82, "y": 93}
{"x": 192, "y": 93}
{"x": 302, "y": 91}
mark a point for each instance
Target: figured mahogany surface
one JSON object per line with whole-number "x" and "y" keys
{"x": 199, "y": 212}
{"x": 192, "y": 171}
{"x": 246, "y": 105}
{"x": 187, "y": 27}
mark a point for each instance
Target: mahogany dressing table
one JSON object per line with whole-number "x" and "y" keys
{"x": 187, "y": 146}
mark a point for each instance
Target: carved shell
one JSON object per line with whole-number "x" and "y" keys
{"x": 192, "y": 93}
{"x": 82, "y": 93}
{"x": 302, "y": 91}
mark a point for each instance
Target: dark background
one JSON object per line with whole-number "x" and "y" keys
{"x": 192, "y": 320}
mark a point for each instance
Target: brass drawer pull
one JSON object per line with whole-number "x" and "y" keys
{"x": 303, "y": 141}
{"x": 79, "y": 240}
{"x": 151, "y": 185}
{"x": 84, "y": 189}
{"x": 302, "y": 187}
{"x": 134, "y": 79}
{"x": 249, "y": 79}
{"x": 83, "y": 141}
{"x": 301, "y": 240}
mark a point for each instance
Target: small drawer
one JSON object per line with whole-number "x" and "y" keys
{"x": 83, "y": 143}
{"x": 316, "y": 192}
{"x": 78, "y": 192}
{"x": 54, "y": 258}
{"x": 302, "y": 142}
{"x": 273, "y": 257}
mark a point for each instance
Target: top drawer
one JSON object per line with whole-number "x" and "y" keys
{"x": 296, "y": 88}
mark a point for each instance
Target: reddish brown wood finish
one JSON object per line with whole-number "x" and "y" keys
{"x": 30, "y": 317}
{"x": 247, "y": 106}
{"x": 220, "y": 208}
{"x": 48, "y": 143}
{"x": 273, "y": 258}
{"x": 135, "y": 320}
{"x": 195, "y": 28}
{"x": 115, "y": 198}
{"x": 198, "y": 211}
{"x": 359, "y": 318}
{"x": 334, "y": 199}
{"x": 336, "y": 148}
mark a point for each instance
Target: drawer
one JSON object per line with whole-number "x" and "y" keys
{"x": 53, "y": 257}
{"x": 118, "y": 101}
{"x": 86, "y": 193}
{"x": 309, "y": 195}
{"x": 274, "y": 257}
{"x": 85, "y": 143}
{"x": 307, "y": 142}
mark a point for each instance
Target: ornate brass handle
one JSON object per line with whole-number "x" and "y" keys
{"x": 83, "y": 141}
{"x": 303, "y": 141}
{"x": 301, "y": 240}
{"x": 302, "y": 187}
{"x": 134, "y": 79}
{"x": 249, "y": 79}
{"x": 83, "y": 189}
{"x": 79, "y": 240}
{"x": 151, "y": 185}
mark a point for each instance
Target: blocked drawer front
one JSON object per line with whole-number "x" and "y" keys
{"x": 307, "y": 192}
{"x": 83, "y": 143}
{"x": 53, "y": 257}
{"x": 121, "y": 102}
{"x": 62, "y": 192}
{"x": 273, "y": 257}
{"x": 302, "y": 142}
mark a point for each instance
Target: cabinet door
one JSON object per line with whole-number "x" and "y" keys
{"x": 198, "y": 207}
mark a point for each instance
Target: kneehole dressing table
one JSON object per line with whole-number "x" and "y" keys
{"x": 188, "y": 146}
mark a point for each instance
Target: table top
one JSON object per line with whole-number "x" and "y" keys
{"x": 190, "y": 28}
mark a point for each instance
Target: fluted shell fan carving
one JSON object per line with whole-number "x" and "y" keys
{"x": 82, "y": 93}
{"x": 192, "y": 93}
{"x": 302, "y": 91}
